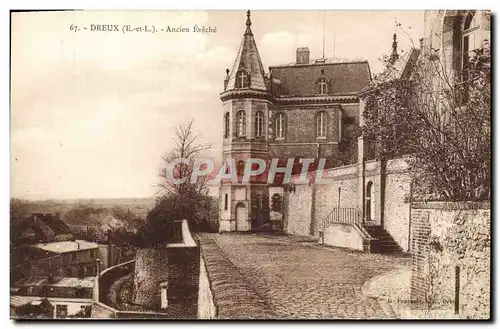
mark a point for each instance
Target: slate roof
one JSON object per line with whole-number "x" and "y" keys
{"x": 401, "y": 69}
{"x": 67, "y": 246}
{"x": 25, "y": 254}
{"x": 346, "y": 77}
{"x": 55, "y": 223}
{"x": 68, "y": 282}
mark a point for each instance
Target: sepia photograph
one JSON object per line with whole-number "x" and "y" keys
{"x": 250, "y": 164}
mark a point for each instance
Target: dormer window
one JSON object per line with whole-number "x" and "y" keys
{"x": 242, "y": 79}
{"x": 322, "y": 86}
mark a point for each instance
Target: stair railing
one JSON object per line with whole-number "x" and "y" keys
{"x": 341, "y": 215}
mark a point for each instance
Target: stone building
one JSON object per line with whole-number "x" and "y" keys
{"x": 303, "y": 109}
{"x": 76, "y": 258}
{"x": 296, "y": 110}
{"x": 454, "y": 34}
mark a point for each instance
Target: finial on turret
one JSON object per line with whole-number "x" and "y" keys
{"x": 227, "y": 71}
{"x": 248, "y": 23}
{"x": 394, "y": 54}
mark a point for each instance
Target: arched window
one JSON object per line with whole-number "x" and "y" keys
{"x": 280, "y": 125}
{"x": 321, "y": 124}
{"x": 242, "y": 79}
{"x": 226, "y": 125}
{"x": 322, "y": 86}
{"x": 259, "y": 124}
{"x": 241, "y": 124}
{"x": 225, "y": 201}
{"x": 471, "y": 37}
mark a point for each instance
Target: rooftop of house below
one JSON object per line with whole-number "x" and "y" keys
{"x": 67, "y": 246}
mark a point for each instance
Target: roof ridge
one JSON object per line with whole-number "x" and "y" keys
{"x": 327, "y": 61}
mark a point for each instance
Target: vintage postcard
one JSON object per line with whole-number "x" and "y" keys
{"x": 250, "y": 164}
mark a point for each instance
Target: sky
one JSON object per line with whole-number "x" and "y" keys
{"x": 93, "y": 112}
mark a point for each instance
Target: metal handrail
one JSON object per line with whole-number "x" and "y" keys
{"x": 341, "y": 215}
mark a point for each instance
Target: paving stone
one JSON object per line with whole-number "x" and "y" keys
{"x": 307, "y": 281}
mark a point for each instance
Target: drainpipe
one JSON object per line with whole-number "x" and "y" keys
{"x": 338, "y": 206}
{"x": 313, "y": 205}
{"x": 363, "y": 169}
{"x": 383, "y": 166}
{"x": 409, "y": 214}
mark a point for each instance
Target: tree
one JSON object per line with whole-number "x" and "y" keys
{"x": 440, "y": 123}
{"x": 185, "y": 200}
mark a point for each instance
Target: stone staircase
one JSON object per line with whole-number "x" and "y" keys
{"x": 384, "y": 243}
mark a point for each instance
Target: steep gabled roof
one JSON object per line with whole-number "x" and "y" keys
{"x": 399, "y": 70}
{"x": 248, "y": 59}
{"x": 55, "y": 224}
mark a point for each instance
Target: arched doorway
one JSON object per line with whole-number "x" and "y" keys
{"x": 241, "y": 217}
{"x": 369, "y": 202}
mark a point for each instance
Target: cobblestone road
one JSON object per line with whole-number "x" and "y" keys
{"x": 301, "y": 279}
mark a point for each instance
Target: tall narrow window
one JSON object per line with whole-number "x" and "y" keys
{"x": 259, "y": 124}
{"x": 471, "y": 38}
{"x": 225, "y": 201}
{"x": 242, "y": 79}
{"x": 240, "y": 168}
{"x": 368, "y": 201}
{"x": 241, "y": 124}
{"x": 280, "y": 125}
{"x": 321, "y": 125}
{"x": 322, "y": 86}
{"x": 226, "y": 125}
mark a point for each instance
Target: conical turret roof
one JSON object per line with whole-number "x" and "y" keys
{"x": 248, "y": 61}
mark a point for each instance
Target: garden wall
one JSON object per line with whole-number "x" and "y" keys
{"x": 451, "y": 259}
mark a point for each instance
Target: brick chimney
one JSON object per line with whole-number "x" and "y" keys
{"x": 302, "y": 55}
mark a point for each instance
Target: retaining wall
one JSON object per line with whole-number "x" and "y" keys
{"x": 451, "y": 259}
{"x": 224, "y": 293}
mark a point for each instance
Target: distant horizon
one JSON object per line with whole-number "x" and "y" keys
{"x": 77, "y": 199}
{"x": 211, "y": 190}
{"x": 93, "y": 112}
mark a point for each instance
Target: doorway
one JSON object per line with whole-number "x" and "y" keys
{"x": 241, "y": 217}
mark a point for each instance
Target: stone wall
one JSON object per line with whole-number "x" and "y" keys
{"x": 110, "y": 275}
{"x": 397, "y": 206}
{"x": 229, "y": 296}
{"x": 206, "y": 305}
{"x": 177, "y": 264}
{"x": 451, "y": 259}
{"x": 343, "y": 185}
{"x": 298, "y": 206}
{"x": 307, "y": 205}
{"x": 151, "y": 269}
{"x": 345, "y": 236}
{"x": 183, "y": 280}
